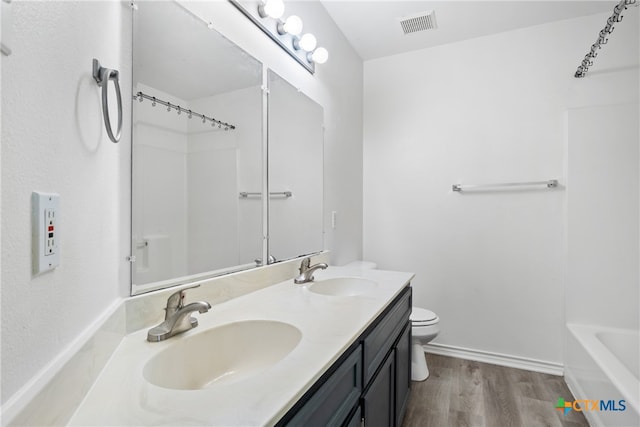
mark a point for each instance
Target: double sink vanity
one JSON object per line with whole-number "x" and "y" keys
{"x": 332, "y": 351}
{"x": 221, "y": 210}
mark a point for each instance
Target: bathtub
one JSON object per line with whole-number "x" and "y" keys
{"x": 603, "y": 364}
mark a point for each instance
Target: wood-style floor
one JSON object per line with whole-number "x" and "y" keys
{"x": 460, "y": 393}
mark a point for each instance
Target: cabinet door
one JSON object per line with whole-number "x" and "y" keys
{"x": 356, "y": 419}
{"x": 378, "y": 401}
{"x": 333, "y": 401}
{"x": 403, "y": 373}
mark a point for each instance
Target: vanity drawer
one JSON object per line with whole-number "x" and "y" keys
{"x": 334, "y": 400}
{"x": 380, "y": 340}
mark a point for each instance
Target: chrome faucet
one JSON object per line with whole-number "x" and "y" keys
{"x": 307, "y": 270}
{"x": 177, "y": 318}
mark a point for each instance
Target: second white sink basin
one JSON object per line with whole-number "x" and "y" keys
{"x": 343, "y": 286}
{"x": 222, "y": 355}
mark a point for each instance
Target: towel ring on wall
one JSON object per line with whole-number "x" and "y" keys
{"x": 102, "y": 76}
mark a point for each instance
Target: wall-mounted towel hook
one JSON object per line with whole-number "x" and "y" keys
{"x": 102, "y": 76}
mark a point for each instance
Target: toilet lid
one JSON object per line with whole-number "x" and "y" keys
{"x": 421, "y": 315}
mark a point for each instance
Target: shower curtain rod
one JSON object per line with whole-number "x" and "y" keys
{"x": 142, "y": 96}
{"x": 602, "y": 37}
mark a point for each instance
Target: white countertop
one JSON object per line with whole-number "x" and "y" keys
{"x": 329, "y": 325}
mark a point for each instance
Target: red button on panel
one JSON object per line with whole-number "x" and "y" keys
{"x": 51, "y": 228}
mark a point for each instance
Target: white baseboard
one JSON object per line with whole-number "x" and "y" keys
{"x": 496, "y": 358}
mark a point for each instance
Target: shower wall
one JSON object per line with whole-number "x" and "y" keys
{"x": 225, "y": 230}
{"x": 602, "y": 302}
{"x": 160, "y": 184}
{"x": 602, "y": 216}
{"x": 188, "y": 178}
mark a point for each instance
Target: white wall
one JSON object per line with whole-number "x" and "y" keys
{"x": 486, "y": 110}
{"x": 53, "y": 140}
{"x": 603, "y": 286}
{"x": 337, "y": 87}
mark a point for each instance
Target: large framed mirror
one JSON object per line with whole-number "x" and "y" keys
{"x": 295, "y": 159}
{"x": 197, "y": 145}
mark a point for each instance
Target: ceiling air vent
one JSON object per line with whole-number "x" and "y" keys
{"x": 419, "y": 22}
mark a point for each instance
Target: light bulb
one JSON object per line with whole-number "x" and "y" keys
{"x": 293, "y": 25}
{"x": 271, "y": 8}
{"x": 307, "y": 42}
{"x": 319, "y": 56}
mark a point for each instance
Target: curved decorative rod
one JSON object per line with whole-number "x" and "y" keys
{"x": 142, "y": 96}
{"x": 602, "y": 37}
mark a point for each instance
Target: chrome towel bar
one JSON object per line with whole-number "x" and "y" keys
{"x": 552, "y": 183}
{"x": 285, "y": 194}
{"x": 102, "y": 76}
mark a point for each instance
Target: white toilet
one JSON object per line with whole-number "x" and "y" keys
{"x": 424, "y": 328}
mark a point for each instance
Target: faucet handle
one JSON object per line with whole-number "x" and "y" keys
{"x": 176, "y": 301}
{"x": 305, "y": 264}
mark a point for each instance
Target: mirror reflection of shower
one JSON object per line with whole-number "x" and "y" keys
{"x": 296, "y": 161}
{"x": 197, "y": 135}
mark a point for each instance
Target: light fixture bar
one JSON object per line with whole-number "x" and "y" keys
{"x": 275, "y": 29}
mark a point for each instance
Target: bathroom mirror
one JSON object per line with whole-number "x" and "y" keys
{"x": 296, "y": 134}
{"x": 197, "y": 145}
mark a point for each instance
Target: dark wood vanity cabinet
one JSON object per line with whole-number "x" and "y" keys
{"x": 378, "y": 402}
{"x": 402, "y": 390}
{"x": 387, "y": 364}
{"x": 370, "y": 383}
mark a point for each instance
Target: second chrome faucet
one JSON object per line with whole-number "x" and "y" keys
{"x": 307, "y": 270}
{"x": 177, "y": 318}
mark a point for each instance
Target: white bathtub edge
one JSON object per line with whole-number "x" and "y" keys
{"x": 620, "y": 376}
{"x": 592, "y": 417}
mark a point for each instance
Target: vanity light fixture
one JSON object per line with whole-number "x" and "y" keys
{"x": 272, "y": 9}
{"x": 319, "y": 56}
{"x": 268, "y": 15}
{"x": 292, "y": 25}
{"x": 307, "y": 42}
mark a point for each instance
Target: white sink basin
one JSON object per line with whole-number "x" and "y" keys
{"x": 222, "y": 355}
{"x": 343, "y": 286}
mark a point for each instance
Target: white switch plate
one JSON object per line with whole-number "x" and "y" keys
{"x": 45, "y": 231}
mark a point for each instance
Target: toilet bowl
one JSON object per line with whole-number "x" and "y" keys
{"x": 424, "y": 328}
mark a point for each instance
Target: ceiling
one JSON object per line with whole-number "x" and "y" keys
{"x": 374, "y": 31}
